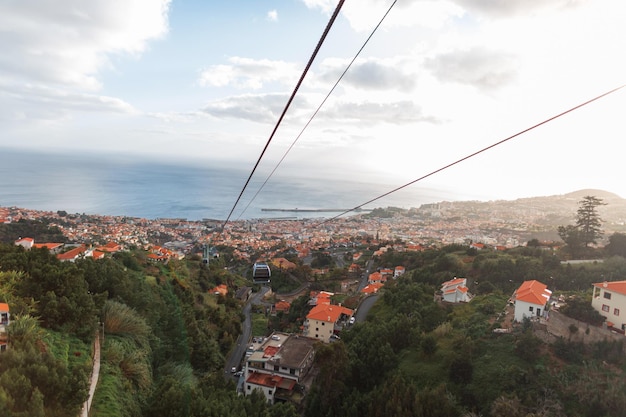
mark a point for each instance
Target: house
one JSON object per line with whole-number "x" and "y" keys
{"x": 283, "y": 264}
{"x": 609, "y": 299}
{"x": 283, "y": 306}
{"x": 110, "y": 247}
{"x": 25, "y": 242}
{"x": 372, "y": 288}
{"x": 73, "y": 254}
{"x": 221, "y": 289}
{"x": 398, "y": 270}
{"x": 324, "y": 319}
{"x": 51, "y": 246}
{"x": 5, "y": 319}
{"x": 455, "y": 291}
{"x": 277, "y": 365}
{"x": 530, "y": 300}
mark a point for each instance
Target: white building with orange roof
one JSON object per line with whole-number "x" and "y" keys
{"x": 609, "y": 299}
{"x": 531, "y": 299}
{"x": 455, "y": 291}
{"x": 277, "y": 365}
{"x": 324, "y": 319}
{"x": 398, "y": 270}
{"x": 5, "y": 319}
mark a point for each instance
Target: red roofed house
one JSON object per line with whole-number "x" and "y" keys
{"x": 4, "y": 322}
{"x": 110, "y": 247}
{"x": 277, "y": 366}
{"x": 221, "y": 289}
{"x": 455, "y": 291}
{"x": 283, "y": 306}
{"x": 321, "y": 320}
{"x": 25, "y": 242}
{"x": 609, "y": 299}
{"x": 52, "y": 247}
{"x": 531, "y": 299}
{"x": 398, "y": 270}
{"x": 372, "y": 288}
{"x": 73, "y": 254}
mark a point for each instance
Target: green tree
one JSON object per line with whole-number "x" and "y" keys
{"x": 587, "y": 229}
{"x": 617, "y": 245}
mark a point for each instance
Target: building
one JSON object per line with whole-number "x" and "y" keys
{"x": 5, "y": 319}
{"x": 609, "y": 299}
{"x": 530, "y": 300}
{"x": 277, "y": 366}
{"x": 324, "y": 320}
{"x": 455, "y": 291}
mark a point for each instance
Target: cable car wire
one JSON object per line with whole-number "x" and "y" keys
{"x": 318, "y": 109}
{"x": 293, "y": 94}
{"x": 479, "y": 152}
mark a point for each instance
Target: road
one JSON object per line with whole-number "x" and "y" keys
{"x": 234, "y": 360}
{"x": 95, "y": 373}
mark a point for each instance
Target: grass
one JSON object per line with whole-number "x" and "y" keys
{"x": 259, "y": 324}
{"x": 71, "y": 350}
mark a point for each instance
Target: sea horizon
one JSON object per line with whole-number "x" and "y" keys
{"x": 105, "y": 185}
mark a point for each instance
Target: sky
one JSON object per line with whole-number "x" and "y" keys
{"x": 204, "y": 82}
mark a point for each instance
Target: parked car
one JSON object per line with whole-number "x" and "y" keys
{"x": 352, "y": 320}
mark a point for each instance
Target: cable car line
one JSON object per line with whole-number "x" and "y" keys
{"x": 479, "y": 151}
{"x": 318, "y": 108}
{"x": 293, "y": 94}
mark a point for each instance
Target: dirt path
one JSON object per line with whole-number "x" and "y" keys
{"x": 95, "y": 373}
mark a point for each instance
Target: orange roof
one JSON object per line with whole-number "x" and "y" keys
{"x": 328, "y": 313}
{"x": 282, "y": 305}
{"x": 533, "y": 292}
{"x": 372, "y": 288}
{"x": 615, "y": 286}
{"x": 4, "y": 307}
{"x": 268, "y": 380}
{"x": 47, "y": 245}
{"x": 72, "y": 253}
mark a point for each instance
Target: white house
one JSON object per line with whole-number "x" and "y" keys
{"x": 455, "y": 291}
{"x": 609, "y": 299}
{"x": 277, "y": 365}
{"x": 5, "y": 319}
{"x": 530, "y": 300}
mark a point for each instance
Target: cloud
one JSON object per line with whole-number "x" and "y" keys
{"x": 272, "y": 16}
{"x": 369, "y": 113}
{"x": 369, "y": 74}
{"x": 68, "y": 45}
{"x": 249, "y": 73}
{"x": 262, "y": 108}
{"x": 31, "y": 101}
{"x": 478, "y": 67}
{"x": 512, "y": 8}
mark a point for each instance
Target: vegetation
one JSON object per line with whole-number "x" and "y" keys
{"x": 587, "y": 229}
{"x": 166, "y": 336}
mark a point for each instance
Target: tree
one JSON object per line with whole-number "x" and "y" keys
{"x": 588, "y": 220}
{"x": 587, "y": 229}
{"x": 617, "y": 245}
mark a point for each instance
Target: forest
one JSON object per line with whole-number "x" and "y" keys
{"x": 166, "y": 337}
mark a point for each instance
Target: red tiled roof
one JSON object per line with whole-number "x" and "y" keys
{"x": 328, "y": 313}
{"x": 50, "y": 246}
{"x": 4, "y": 307}
{"x": 533, "y": 292}
{"x": 615, "y": 286}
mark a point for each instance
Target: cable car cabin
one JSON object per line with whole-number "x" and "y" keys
{"x": 261, "y": 273}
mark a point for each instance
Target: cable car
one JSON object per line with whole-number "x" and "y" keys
{"x": 261, "y": 273}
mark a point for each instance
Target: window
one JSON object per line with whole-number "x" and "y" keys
{"x": 607, "y": 295}
{"x": 605, "y": 308}
{"x": 276, "y": 368}
{"x": 530, "y": 309}
{"x": 323, "y": 324}
{"x": 616, "y": 312}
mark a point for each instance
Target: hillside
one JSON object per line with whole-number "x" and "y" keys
{"x": 547, "y": 213}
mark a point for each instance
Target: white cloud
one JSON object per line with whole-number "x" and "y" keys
{"x": 247, "y": 73}
{"x": 478, "y": 67}
{"x": 272, "y": 16}
{"x": 68, "y": 44}
{"x": 262, "y": 108}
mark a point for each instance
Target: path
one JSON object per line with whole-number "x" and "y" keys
{"x": 95, "y": 373}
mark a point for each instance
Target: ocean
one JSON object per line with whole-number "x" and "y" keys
{"x": 107, "y": 185}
